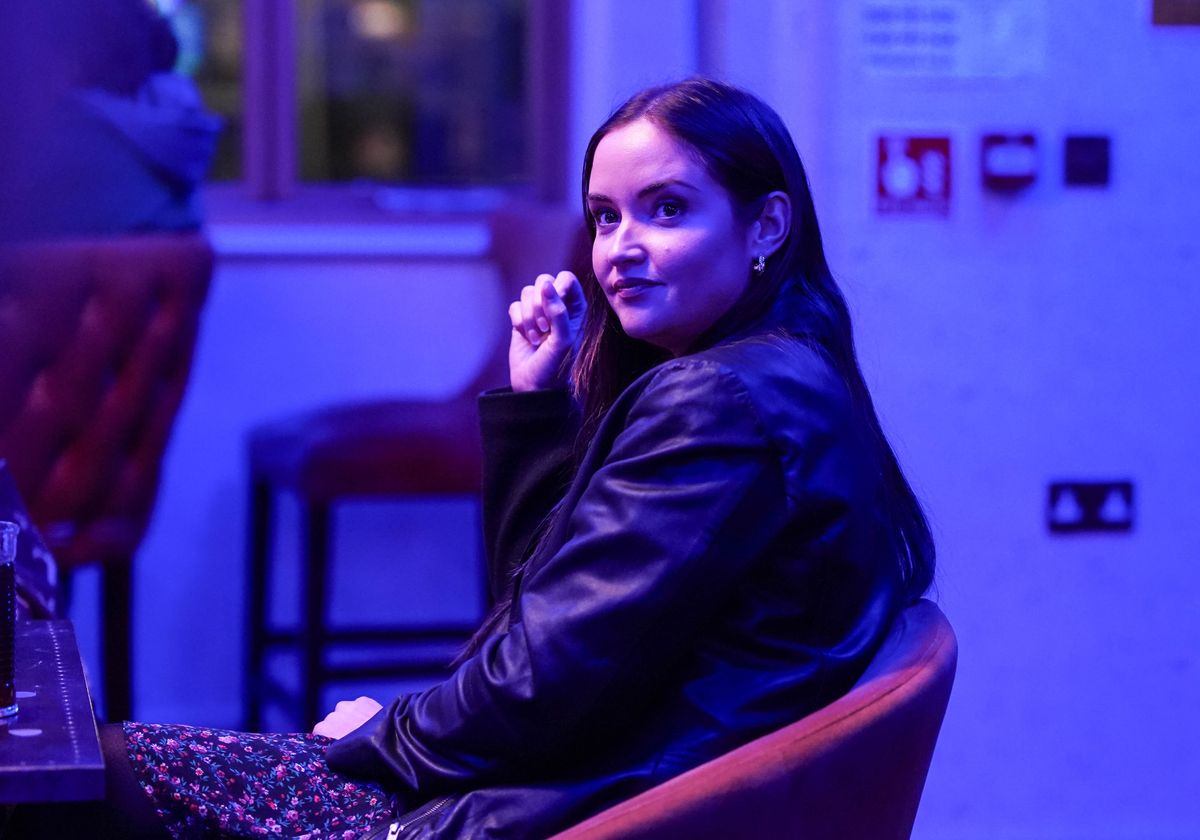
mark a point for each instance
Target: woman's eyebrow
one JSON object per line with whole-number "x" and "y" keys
{"x": 662, "y": 185}
{"x": 649, "y": 189}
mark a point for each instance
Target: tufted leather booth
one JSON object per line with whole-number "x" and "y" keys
{"x": 96, "y": 342}
{"x": 853, "y": 770}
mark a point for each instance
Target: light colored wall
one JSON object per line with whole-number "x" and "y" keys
{"x": 1032, "y": 338}
{"x": 619, "y": 47}
{"x": 1020, "y": 340}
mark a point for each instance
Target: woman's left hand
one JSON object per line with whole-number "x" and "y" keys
{"x": 347, "y": 716}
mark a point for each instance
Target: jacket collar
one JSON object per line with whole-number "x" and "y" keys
{"x": 788, "y": 311}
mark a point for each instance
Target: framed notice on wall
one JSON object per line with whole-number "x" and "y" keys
{"x": 953, "y": 38}
{"x": 912, "y": 175}
{"x": 1176, "y": 13}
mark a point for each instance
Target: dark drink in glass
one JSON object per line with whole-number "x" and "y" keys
{"x": 8, "y": 618}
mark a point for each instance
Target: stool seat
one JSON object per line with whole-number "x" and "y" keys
{"x": 385, "y": 448}
{"x": 394, "y": 449}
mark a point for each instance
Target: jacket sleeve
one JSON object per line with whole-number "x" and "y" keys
{"x": 688, "y": 496}
{"x": 527, "y": 446}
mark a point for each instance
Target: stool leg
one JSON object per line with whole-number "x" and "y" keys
{"x": 258, "y": 601}
{"x": 314, "y": 589}
{"x": 117, "y": 631}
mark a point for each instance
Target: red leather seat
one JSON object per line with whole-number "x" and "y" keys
{"x": 96, "y": 342}
{"x": 372, "y": 449}
{"x": 853, "y": 770}
{"x": 388, "y": 448}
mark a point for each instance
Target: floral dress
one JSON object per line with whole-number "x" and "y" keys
{"x": 218, "y": 783}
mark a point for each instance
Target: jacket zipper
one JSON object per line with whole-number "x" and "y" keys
{"x": 432, "y": 808}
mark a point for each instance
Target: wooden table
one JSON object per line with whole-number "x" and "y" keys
{"x": 50, "y": 750}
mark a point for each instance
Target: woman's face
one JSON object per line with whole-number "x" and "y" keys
{"x": 669, "y": 252}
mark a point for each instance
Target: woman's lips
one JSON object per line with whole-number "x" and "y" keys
{"x": 633, "y": 287}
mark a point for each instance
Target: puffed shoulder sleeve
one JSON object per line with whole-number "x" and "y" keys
{"x": 687, "y": 497}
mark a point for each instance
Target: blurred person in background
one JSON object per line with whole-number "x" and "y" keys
{"x": 103, "y": 138}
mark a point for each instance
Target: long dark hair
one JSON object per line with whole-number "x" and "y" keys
{"x": 748, "y": 151}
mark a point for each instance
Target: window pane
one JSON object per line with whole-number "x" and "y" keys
{"x": 413, "y": 91}
{"x": 210, "y": 51}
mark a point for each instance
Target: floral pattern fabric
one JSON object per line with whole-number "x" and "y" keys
{"x": 218, "y": 783}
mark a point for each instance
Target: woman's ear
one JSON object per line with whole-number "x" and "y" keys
{"x": 770, "y": 229}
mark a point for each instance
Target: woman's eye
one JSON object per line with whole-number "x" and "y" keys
{"x": 669, "y": 209}
{"x": 605, "y": 217}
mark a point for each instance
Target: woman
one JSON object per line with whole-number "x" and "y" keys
{"x": 702, "y": 531}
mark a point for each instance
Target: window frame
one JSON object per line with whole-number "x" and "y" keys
{"x": 270, "y": 141}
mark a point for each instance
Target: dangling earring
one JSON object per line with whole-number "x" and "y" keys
{"x": 760, "y": 265}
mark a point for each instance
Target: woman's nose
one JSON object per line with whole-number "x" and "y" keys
{"x": 626, "y": 248}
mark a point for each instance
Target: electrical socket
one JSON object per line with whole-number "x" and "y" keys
{"x": 1076, "y": 507}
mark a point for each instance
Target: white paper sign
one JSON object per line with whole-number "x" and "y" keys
{"x": 954, "y": 38}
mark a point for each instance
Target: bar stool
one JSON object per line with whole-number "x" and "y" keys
{"x": 388, "y": 449}
{"x": 358, "y": 451}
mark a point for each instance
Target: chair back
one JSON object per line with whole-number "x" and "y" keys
{"x": 853, "y": 770}
{"x": 96, "y": 342}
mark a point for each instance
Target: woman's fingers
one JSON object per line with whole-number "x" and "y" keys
{"x": 556, "y": 311}
{"x": 535, "y": 324}
{"x": 571, "y": 291}
{"x": 564, "y": 301}
{"x": 528, "y": 329}
{"x": 347, "y": 716}
{"x": 541, "y": 319}
{"x": 528, "y": 314}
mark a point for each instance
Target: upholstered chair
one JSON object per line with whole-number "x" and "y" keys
{"x": 854, "y": 770}
{"x": 96, "y": 343}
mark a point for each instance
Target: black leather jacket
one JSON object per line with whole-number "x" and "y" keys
{"x": 720, "y": 569}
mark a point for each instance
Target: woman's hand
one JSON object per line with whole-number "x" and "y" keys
{"x": 546, "y": 322}
{"x": 347, "y": 716}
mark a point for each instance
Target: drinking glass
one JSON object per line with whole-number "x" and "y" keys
{"x": 8, "y": 617}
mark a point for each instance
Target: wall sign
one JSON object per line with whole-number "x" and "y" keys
{"x": 912, "y": 175}
{"x": 1008, "y": 162}
{"x": 1086, "y": 161}
{"x": 953, "y": 38}
{"x": 1176, "y": 13}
